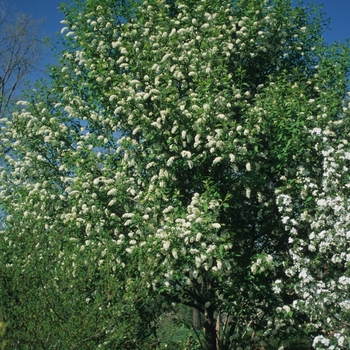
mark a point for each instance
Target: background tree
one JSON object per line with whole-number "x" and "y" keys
{"x": 158, "y": 170}
{"x": 21, "y": 48}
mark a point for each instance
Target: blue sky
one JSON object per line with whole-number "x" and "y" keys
{"x": 41, "y": 9}
{"x": 337, "y": 10}
{"x": 38, "y": 9}
{"x": 339, "y": 13}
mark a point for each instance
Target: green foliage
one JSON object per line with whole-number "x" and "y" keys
{"x": 2, "y": 334}
{"x": 157, "y": 169}
{"x": 175, "y": 330}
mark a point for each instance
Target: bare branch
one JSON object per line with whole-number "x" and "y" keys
{"x": 20, "y": 50}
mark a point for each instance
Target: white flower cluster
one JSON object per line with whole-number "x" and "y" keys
{"x": 323, "y": 284}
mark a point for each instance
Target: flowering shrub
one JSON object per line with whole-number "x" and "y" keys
{"x": 320, "y": 256}
{"x": 187, "y": 152}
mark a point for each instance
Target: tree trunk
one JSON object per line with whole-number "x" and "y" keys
{"x": 210, "y": 329}
{"x": 196, "y": 319}
{"x": 217, "y": 330}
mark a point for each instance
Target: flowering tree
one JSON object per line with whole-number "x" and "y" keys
{"x": 187, "y": 152}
